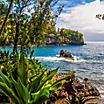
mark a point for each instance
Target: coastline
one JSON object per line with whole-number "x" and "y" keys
{"x": 98, "y": 89}
{"x": 84, "y": 91}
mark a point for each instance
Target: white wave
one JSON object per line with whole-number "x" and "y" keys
{"x": 56, "y": 58}
{"x": 49, "y": 58}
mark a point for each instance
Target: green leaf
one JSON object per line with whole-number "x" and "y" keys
{"x": 36, "y": 82}
{"x": 32, "y": 52}
{"x": 48, "y": 77}
{"x": 9, "y": 92}
{"x": 60, "y": 80}
{"x": 21, "y": 91}
{"x": 43, "y": 93}
{"x": 5, "y": 79}
{"x": 22, "y": 73}
{"x": 25, "y": 93}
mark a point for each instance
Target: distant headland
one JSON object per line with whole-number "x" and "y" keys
{"x": 65, "y": 36}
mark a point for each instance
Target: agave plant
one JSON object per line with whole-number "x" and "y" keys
{"x": 28, "y": 82}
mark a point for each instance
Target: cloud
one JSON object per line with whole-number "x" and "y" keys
{"x": 83, "y": 18}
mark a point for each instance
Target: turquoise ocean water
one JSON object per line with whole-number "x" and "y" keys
{"x": 90, "y": 63}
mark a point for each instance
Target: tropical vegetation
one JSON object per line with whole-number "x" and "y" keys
{"x": 30, "y": 19}
{"x": 34, "y": 21}
{"x": 68, "y": 36}
{"x": 23, "y": 79}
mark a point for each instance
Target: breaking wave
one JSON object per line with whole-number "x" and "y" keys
{"x": 56, "y": 58}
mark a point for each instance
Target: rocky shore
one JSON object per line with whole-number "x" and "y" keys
{"x": 74, "y": 91}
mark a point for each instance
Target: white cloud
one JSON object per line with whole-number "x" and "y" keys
{"x": 83, "y": 18}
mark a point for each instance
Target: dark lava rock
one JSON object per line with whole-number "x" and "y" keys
{"x": 74, "y": 90}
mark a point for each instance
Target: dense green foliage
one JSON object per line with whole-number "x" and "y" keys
{"x": 71, "y": 36}
{"x": 30, "y": 19}
{"x": 30, "y": 22}
{"x": 65, "y": 36}
{"x": 24, "y": 80}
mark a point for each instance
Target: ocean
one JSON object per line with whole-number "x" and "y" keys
{"x": 89, "y": 64}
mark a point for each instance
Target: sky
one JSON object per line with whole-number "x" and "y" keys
{"x": 80, "y": 15}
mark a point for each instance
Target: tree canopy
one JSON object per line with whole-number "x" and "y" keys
{"x": 27, "y": 21}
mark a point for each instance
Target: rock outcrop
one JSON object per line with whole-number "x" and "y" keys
{"x": 74, "y": 91}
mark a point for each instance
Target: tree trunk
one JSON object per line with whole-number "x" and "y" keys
{"x": 16, "y": 38}
{"x": 8, "y": 12}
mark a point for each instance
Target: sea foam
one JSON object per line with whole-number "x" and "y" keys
{"x": 56, "y": 58}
